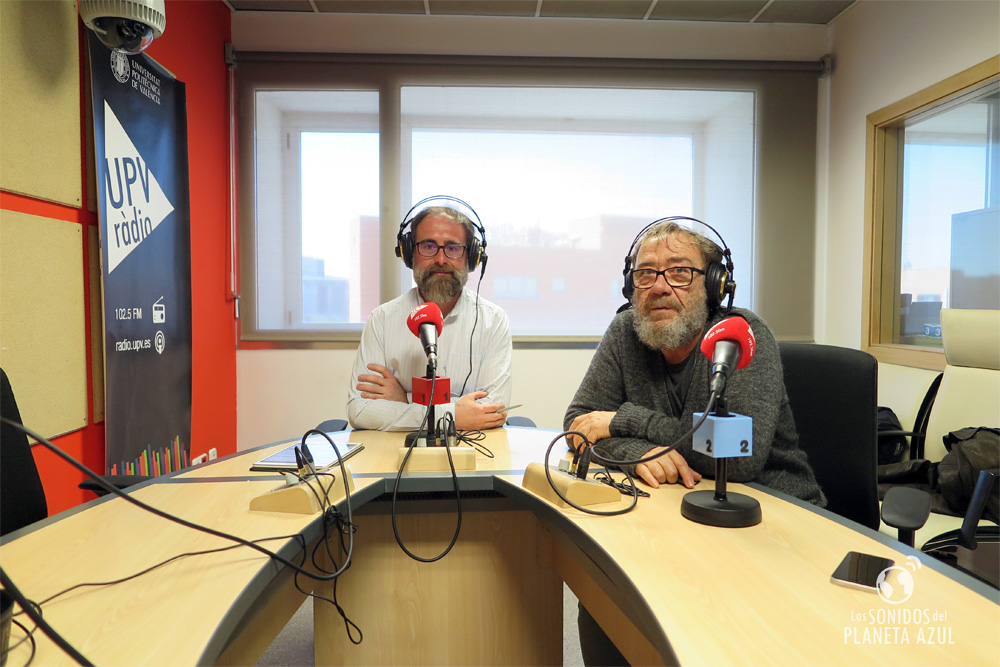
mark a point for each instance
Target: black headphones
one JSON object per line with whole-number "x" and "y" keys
{"x": 718, "y": 278}
{"x": 475, "y": 253}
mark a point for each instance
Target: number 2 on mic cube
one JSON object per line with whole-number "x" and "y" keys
{"x": 724, "y": 437}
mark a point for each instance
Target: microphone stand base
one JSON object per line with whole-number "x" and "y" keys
{"x": 582, "y": 492}
{"x": 435, "y": 458}
{"x": 736, "y": 511}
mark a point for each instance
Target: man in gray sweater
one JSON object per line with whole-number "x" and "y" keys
{"x": 648, "y": 377}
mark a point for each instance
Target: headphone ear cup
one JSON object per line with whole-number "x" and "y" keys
{"x": 628, "y": 287}
{"x": 404, "y": 249}
{"x": 474, "y": 254}
{"x": 716, "y": 281}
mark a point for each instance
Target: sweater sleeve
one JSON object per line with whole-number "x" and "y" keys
{"x": 622, "y": 368}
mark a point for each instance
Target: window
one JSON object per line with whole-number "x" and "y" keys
{"x": 564, "y": 164}
{"x": 935, "y": 214}
{"x": 316, "y": 209}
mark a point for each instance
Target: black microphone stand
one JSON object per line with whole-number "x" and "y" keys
{"x": 720, "y": 508}
{"x": 431, "y": 438}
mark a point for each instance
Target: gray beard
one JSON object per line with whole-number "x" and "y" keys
{"x": 671, "y": 335}
{"x": 440, "y": 289}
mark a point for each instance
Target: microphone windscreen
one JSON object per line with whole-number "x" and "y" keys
{"x": 735, "y": 329}
{"x": 425, "y": 313}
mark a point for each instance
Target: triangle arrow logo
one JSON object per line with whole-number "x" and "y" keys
{"x": 134, "y": 202}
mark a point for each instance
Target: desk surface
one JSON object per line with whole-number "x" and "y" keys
{"x": 701, "y": 594}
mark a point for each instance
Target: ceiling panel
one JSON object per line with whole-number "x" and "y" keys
{"x": 740, "y": 11}
{"x": 270, "y": 5}
{"x": 817, "y": 12}
{"x": 622, "y": 9}
{"x": 804, "y": 11}
{"x": 483, "y": 7}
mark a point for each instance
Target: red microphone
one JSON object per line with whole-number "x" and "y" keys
{"x": 729, "y": 344}
{"x": 425, "y": 322}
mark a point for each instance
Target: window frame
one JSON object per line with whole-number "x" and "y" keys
{"x": 785, "y": 130}
{"x": 883, "y": 230}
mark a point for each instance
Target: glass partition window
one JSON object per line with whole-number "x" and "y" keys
{"x": 935, "y": 225}
{"x": 949, "y": 220}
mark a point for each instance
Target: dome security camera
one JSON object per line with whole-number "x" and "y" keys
{"x": 128, "y": 26}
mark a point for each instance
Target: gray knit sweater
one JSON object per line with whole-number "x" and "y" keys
{"x": 629, "y": 378}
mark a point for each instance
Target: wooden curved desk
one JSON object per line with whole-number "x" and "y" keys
{"x": 666, "y": 589}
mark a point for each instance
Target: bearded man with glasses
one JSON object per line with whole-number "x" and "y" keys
{"x": 474, "y": 348}
{"x": 648, "y": 378}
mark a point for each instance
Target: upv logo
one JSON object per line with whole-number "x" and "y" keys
{"x": 135, "y": 203}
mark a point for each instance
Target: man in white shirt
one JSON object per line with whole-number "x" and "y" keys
{"x": 474, "y": 347}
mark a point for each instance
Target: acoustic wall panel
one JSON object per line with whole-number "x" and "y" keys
{"x": 42, "y": 324}
{"x": 40, "y": 105}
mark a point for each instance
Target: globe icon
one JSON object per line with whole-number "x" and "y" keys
{"x": 894, "y": 584}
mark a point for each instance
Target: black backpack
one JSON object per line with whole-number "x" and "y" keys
{"x": 970, "y": 450}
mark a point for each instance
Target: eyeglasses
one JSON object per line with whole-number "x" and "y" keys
{"x": 676, "y": 276}
{"x": 451, "y": 250}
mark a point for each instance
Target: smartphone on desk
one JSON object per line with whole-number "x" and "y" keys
{"x": 860, "y": 571}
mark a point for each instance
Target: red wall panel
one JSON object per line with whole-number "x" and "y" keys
{"x": 193, "y": 48}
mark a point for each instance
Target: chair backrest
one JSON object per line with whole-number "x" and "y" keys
{"x": 331, "y": 425}
{"x": 22, "y": 498}
{"x": 969, "y": 394}
{"x": 832, "y": 392}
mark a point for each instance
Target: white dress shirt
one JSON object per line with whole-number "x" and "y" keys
{"x": 387, "y": 340}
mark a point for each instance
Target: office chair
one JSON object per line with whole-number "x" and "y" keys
{"x": 518, "y": 420}
{"x": 331, "y": 425}
{"x": 832, "y": 393}
{"x": 22, "y": 498}
{"x": 968, "y": 395}
{"x": 918, "y": 434}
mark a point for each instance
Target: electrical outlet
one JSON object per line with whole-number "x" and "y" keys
{"x": 213, "y": 454}
{"x": 198, "y": 460}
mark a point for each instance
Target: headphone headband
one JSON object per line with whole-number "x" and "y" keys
{"x": 718, "y": 276}
{"x": 476, "y": 251}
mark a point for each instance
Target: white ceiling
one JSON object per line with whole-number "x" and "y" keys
{"x": 811, "y": 12}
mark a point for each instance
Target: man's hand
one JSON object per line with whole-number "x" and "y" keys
{"x": 594, "y": 425}
{"x": 470, "y": 415}
{"x": 669, "y": 468}
{"x": 384, "y": 385}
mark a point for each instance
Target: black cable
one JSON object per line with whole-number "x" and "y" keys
{"x": 474, "y": 439}
{"x": 42, "y": 624}
{"x": 592, "y": 450}
{"x": 548, "y": 476}
{"x": 454, "y": 477}
{"x": 472, "y": 335}
{"x": 332, "y": 515}
{"x": 28, "y": 637}
{"x": 155, "y": 567}
{"x": 669, "y": 448}
{"x": 342, "y": 528}
{"x": 110, "y": 488}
